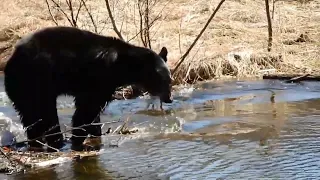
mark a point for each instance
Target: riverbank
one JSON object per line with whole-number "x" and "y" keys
{"x": 234, "y": 44}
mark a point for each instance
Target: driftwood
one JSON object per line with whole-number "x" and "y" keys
{"x": 293, "y": 77}
{"x": 297, "y": 79}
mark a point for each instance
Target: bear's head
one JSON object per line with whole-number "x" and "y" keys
{"x": 157, "y": 77}
{"x": 141, "y": 67}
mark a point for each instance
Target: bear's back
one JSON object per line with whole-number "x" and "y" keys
{"x": 53, "y": 38}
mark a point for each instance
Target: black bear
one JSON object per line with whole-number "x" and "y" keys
{"x": 69, "y": 61}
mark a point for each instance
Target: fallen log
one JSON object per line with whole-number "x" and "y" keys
{"x": 297, "y": 79}
{"x": 293, "y": 77}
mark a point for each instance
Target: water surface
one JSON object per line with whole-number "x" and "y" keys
{"x": 215, "y": 130}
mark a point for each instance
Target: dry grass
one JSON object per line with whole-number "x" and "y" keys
{"x": 234, "y": 44}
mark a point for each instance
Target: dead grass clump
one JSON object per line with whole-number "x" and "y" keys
{"x": 237, "y": 63}
{"x": 302, "y": 38}
{"x": 246, "y": 16}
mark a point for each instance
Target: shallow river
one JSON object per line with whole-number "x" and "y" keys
{"x": 215, "y": 130}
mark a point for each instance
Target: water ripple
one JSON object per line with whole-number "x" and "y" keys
{"x": 237, "y": 133}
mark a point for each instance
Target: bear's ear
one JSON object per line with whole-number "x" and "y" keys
{"x": 109, "y": 55}
{"x": 163, "y": 53}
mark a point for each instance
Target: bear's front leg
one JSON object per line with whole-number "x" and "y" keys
{"x": 88, "y": 109}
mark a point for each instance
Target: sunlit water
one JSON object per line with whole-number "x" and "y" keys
{"x": 215, "y": 130}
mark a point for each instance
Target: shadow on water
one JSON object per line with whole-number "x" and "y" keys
{"x": 221, "y": 130}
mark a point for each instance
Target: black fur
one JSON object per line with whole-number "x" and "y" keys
{"x": 68, "y": 61}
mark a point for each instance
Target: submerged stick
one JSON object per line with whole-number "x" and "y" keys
{"x": 47, "y": 146}
{"x": 272, "y": 97}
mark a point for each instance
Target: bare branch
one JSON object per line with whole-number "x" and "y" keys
{"x": 273, "y": 7}
{"x": 70, "y": 5}
{"x": 60, "y": 9}
{"x": 141, "y": 24}
{"x": 125, "y": 17}
{"x": 147, "y": 32}
{"x": 198, "y": 37}
{"x": 112, "y": 20}
{"x": 78, "y": 11}
{"x": 150, "y": 25}
{"x": 152, "y": 22}
{"x": 90, "y": 15}
{"x": 269, "y": 26}
{"x": 47, "y": 146}
{"x": 49, "y": 9}
{"x": 165, "y": 16}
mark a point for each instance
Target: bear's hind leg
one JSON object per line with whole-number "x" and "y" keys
{"x": 31, "y": 121}
{"x": 30, "y": 84}
{"x": 39, "y": 117}
{"x": 54, "y": 137}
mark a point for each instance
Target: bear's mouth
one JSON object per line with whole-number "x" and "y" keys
{"x": 165, "y": 97}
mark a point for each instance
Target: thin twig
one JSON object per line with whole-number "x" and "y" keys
{"x": 269, "y": 26}
{"x": 33, "y": 124}
{"x": 79, "y": 127}
{"x": 273, "y": 8}
{"x": 150, "y": 25}
{"x": 70, "y": 5}
{"x": 147, "y": 32}
{"x": 60, "y": 9}
{"x": 49, "y": 9}
{"x": 159, "y": 14}
{"x": 112, "y": 20}
{"x": 90, "y": 15}
{"x": 125, "y": 17}
{"x": 79, "y": 9}
{"x": 142, "y": 30}
{"x": 198, "y": 37}
{"x": 47, "y": 146}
